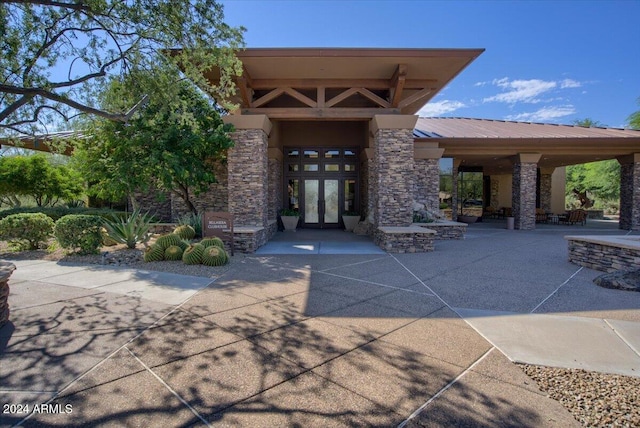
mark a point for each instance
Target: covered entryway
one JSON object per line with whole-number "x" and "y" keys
{"x": 321, "y": 184}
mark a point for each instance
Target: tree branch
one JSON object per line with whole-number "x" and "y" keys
{"x": 75, "y": 6}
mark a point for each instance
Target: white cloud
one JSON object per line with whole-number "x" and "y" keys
{"x": 440, "y": 107}
{"x": 526, "y": 91}
{"x": 570, "y": 83}
{"x": 545, "y": 114}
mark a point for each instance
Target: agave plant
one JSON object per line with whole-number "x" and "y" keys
{"x": 134, "y": 229}
{"x": 193, "y": 220}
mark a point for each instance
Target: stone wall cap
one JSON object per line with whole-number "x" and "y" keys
{"x": 628, "y": 242}
{"x": 6, "y": 269}
{"x": 406, "y": 229}
{"x": 247, "y": 229}
{"x": 441, "y": 223}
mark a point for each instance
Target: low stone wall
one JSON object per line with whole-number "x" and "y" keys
{"x": 6, "y": 269}
{"x": 605, "y": 253}
{"x": 445, "y": 230}
{"x": 247, "y": 239}
{"x": 410, "y": 239}
{"x": 595, "y": 214}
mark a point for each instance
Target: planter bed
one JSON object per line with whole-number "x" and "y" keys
{"x": 605, "y": 253}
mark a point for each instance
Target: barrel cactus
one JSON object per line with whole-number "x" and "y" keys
{"x": 165, "y": 241}
{"x": 193, "y": 254}
{"x": 214, "y": 256}
{"x": 185, "y": 231}
{"x": 173, "y": 252}
{"x": 208, "y": 242}
{"x": 153, "y": 253}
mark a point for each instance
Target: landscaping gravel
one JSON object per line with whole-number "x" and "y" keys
{"x": 594, "y": 399}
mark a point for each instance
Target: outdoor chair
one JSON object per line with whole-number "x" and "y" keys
{"x": 541, "y": 216}
{"x": 575, "y": 216}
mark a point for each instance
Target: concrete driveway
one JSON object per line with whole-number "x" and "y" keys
{"x": 300, "y": 340}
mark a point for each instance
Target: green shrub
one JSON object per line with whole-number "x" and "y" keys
{"x": 134, "y": 229}
{"x": 26, "y": 231}
{"x": 80, "y": 233}
{"x": 56, "y": 213}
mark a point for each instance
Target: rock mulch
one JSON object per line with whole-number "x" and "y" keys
{"x": 594, "y": 399}
{"x": 621, "y": 280}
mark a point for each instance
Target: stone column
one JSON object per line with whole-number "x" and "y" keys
{"x": 275, "y": 183}
{"x": 523, "y": 192}
{"x": 6, "y": 269}
{"x": 427, "y": 175}
{"x": 454, "y": 189}
{"x": 247, "y": 162}
{"x": 394, "y": 169}
{"x": 545, "y": 188}
{"x": 630, "y": 192}
{"x": 367, "y": 193}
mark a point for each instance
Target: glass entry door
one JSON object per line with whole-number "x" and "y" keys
{"x": 321, "y": 203}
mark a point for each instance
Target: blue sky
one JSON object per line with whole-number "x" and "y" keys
{"x": 545, "y": 61}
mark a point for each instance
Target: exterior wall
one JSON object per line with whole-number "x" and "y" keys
{"x": 558, "y": 184}
{"x": 248, "y": 177}
{"x": 545, "y": 191}
{"x": 216, "y": 198}
{"x": 155, "y": 202}
{"x": 504, "y": 185}
{"x": 393, "y": 154}
{"x": 427, "y": 183}
{"x": 523, "y": 195}
{"x": 317, "y": 133}
{"x": 630, "y": 193}
{"x": 495, "y": 192}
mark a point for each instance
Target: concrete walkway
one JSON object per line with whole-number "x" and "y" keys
{"x": 316, "y": 340}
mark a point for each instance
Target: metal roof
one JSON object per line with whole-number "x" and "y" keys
{"x": 457, "y": 127}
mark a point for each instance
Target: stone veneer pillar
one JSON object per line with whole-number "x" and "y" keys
{"x": 394, "y": 169}
{"x": 545, "y": 188}
{"x": 367, "y": 192}
{"x": 523, "y": 193}
{"x": 427, "y": 175}
{"x": 454, "y": 189}
{"x": 6, "y": 269}
{"x": 247, "y": 163}
{"x": 275, "y": 183}
{"x": 630, "y": 192}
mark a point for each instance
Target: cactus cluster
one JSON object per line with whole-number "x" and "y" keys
{"x": 209, "y": 251}
{"x": 185, "y": 232}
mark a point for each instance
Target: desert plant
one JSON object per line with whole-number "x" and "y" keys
{"x": 193, "y": 220}
{"x": 173, "y": 252}
{"x": 165, "y": 241}
{"x": 26, "y": 231}
{"x": 185, "y": 231}
{"x": 134, "y": 229}
{"x": 209, "y": 242}
{"x": 289, "y": 212}
{"x": 153, "y": 253}
{"x": 79, "y": 232}
{"x": 214, "y": 256}
{"x": 193, "y": 254}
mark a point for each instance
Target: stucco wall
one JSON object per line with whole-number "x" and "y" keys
{"x": 558, "y": 180}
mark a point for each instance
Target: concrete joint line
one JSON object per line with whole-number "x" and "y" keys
{"x": 637, "y": 352}
{"x": 171, "y": 390}
{"x": 423, "y": 284}
{"x": 442, "y": 391}
{"x": 556, "y": 290}
{"x": 372, "y": 283}
{"x": 353, "y": 264}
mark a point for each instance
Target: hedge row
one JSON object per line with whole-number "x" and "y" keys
{"x": 56, "y": 213}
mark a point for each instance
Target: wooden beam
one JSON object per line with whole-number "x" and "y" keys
{"x": 338, "y": 83}
{"x": 321, "y": 96}
{"x": 363, "y": 91}
{"x": 320, "y": 113}
{"x": 246, "y": 94}
{"x": 397, "y": 84}
{"x": 300, "y": 97}
{"x": 414, "y": 97}
{"x": 373, "y": 97}
{"x": 341, "y": 97}
{"x": 268, "y": 97}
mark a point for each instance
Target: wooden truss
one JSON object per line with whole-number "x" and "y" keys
{"x": 332, "y": 98}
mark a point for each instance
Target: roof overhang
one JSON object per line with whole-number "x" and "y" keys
{"x": 342, "y": 83}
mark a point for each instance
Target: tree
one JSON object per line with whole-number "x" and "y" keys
{"x": 95, "y": 39}
{"x": 588, "y": 123}
{"x": 170, "y": 144}
{"x": 634, "y": 119}
{"x": 36, "y": 177}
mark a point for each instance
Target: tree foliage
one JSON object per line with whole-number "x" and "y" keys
{"x": 634, "y": 119}
{"x": 90, "y": 40}
{"x": 37, "y": 177}
{"x": 169, "y": 144}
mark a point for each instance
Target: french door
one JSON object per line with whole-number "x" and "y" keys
{"x": 321, "y": 185}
